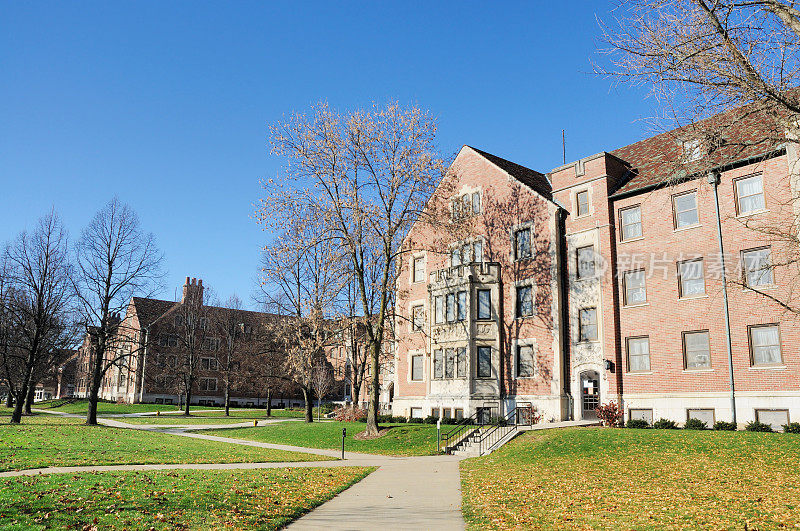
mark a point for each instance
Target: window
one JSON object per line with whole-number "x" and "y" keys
{"x": 585, "y": 257}
{"x": 749, "y": 194}
{"x": 484, "y": 362}
{"x": 525, "y": 361}
{"x": 461, "y": 362}
{"x": 435, "y": 412}
{"x": 446, "y": 412}
{"x": 178, "y": 320}
{"x": 417, "y": 318}
{"x": 765, "y": 345}
{"x": 691, "y": 150}
{"x": 458, "y": 413}
{"x": 634, "y": 286}
{"x": 462, "y": 305}
{"x": 455, "y": 256}
{"x": 524, "y": 301}
{"x": 642, "y": 414}
{"x": 466, "y": 254}
{"x": 631, "y": 222}
{"x": 638, "y": 354}
{"x": 477, "y": 249}
{"x": 582, "y": 200}
{"x": 416, "y": 367}
{"x": 449, "y": 363}
{"x": 203, "y": 323}
{"x": 419, "y": 269}
{"x": 757, "y": 267}
{"x": 168, "y": 340}
{"x": 484, "y": 304}
{"x": 476, "y": 202}
{"x": 466, "y": 201}
{"x": 777, "y": 418}
{"x": 522, "y": 244}
{"x": 416, "y": 412}
{"x": 704, "y": 415}
{"x": 684, "y": 207}
{"x": 438, "y": 366}
{"x": 211, "y": 343}
{"x": 208, "y": 384}
{"x": 438, "y": 302}
{"x": 691, "y": 282}
{"x": 696, "y": 350}
{"x": 587, "y": 324}
{"x": 208, "y": 364}
{"x": 451, "y": 307}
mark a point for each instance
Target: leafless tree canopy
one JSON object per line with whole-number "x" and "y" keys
{"x": 115, "y": 261}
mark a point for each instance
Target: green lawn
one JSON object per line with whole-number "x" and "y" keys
{"x": 45, "y": 440}
{"x": 80, "y": 407}
{"x": 402, "y": 439}
{"x": 635, "y": 479}
{"x": 185, "y": 499}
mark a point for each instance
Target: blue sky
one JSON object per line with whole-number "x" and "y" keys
{"x": 166, "y": 104}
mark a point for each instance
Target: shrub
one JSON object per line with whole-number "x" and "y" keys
{"x": 695, "y": 424}
{"x": 610, "y": 414}
{"x": 430, "y": 419}
{"x": 639, "y": 424}
{"x": 416, "y": 420}
{"x": 451, "y": 421}
{"x": 350, "y": 414}
{"x": 792, "y": 427}
{"x": 385, "y": 419}
{"x": 400, "y": 420}
{"x": 721, "y": 425}
{"x": 665, "y": 424}
{"x": 758, "y": 426}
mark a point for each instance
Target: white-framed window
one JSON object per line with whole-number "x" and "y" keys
{"x": 765, "y": 345}
{"x": 208, "y": 364}
{"x": 476, "y": 203}
{"x": 522, "y": 244}
{"x": 684, "y": 208}
{"x": 455, "y": 256}
{"x": 582, "y": 203}
{"x": 638, "y": 354}
{"x": 208, "y": 384}
{"x": 642, "y": 414}
{"x": 749, "y": 194}
{"x": 631, "y": 222}
{"x": 450, "y": 299}
{"x": 418, "y": 269}
{"x": 477, "y": 250}
{"x": 438, "y": 364}
{"x": 704, "y": 415}
{"x": 484, "y": 369}
{"x": 416, "y": 412}
{"x": 417, "y": 367}
{"x": 776, "y": 418}
{"x": 450, "y": 363}
{"x": 757, "y": 267}
{"x": 525, "y": 361}
{"x": 691, "y": 281}
{"x": 461, "y": 362}
{"x": 524, "y": 306}
{"x": 438, "y": 302}
{"x": 417, "y": 318}
{"x": 462, "y": 306}
{"x": 587, "y": 324}
{"x": 484, "y": 304}
{"x": 696, "y": 350}
{"x": 692, "y": 150}
{"x": 633, "y": 283}
{"x": 585, "y": 259}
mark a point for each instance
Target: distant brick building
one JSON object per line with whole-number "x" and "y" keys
{"x": 601, "y": 281}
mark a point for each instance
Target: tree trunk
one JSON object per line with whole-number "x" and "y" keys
{"x": 227, "y": 401}
{"x": 188, "y": 399}
{"x": 269, "y": 402}
{"x": 309, "y": 405}
{"x": 355, "y": 394}
{"x": 97, "y": 379}
{"x": 374, "y": 389}
{"x": 10, "y": 399}
{"x": 29, "y": 398}
{"x": 16, "y": 416}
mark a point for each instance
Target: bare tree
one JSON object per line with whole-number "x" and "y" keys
{"x": 236, "y": 332}
{"x": 39, "y": 301}
{"x": 322, "y": 382}
{"x": 115, "y": 261}
{"x": 365, "y": 176}
{"x": 195, "y": 341}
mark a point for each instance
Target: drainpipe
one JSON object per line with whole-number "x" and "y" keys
{"x": 713, "y": 180}
{"x": 146, "y": 334}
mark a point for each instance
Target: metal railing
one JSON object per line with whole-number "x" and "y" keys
{"x": 462, "y": 429}
{"x": 501, "y": 427}
{"x": 485, "y": 431}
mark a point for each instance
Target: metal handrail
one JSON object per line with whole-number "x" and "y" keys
{"x": 460, "y": 427}
{"x": 493, "y": 434}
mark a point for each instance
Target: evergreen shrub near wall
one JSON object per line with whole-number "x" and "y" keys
{"x": 639, "y": 424}
{"x": 695, "y": 424}
{"x": 721, "y": 425}
{"x": 758, "y": 426}
{"x": 665, "y": 424}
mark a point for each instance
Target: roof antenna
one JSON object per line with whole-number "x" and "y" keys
{"x": 563, "y": 146}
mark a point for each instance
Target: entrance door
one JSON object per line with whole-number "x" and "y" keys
{"x": 590, "y": 394}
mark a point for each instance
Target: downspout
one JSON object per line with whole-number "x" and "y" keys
{"x": 144, "y": 363}
{"x": 713, "y": 180}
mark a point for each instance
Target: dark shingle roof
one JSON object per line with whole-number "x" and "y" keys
{"x": 531, "y": 178}
{"x": 740, "y": 134}
{"x": 149, "y": 310}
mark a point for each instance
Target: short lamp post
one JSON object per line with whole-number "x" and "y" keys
{"x": 438, "y": 435}
{"x": 344, "y": 434}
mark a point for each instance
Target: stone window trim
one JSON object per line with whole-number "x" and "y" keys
{"x": 527, "y": 225}
{"x": 419, "y": 303}
{"x": 581, "y": 328}
{"x": 479, "y": 293}
{"x": 466, "y": 203}
{"x": 578, "y": 269}
{"x": 579, "y": 193}
{"x": 423, "y": 256}
{"x": 410, "y": 355}
{"x": 753, "y": 364}
{"x": 527, "y": 342}
{"x": 478, "y": 375}
{"x": 519, "y": 284}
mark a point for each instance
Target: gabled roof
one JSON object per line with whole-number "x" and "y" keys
{"x": 533, "y": 179}
{"x": 149, "y": 310}
{"x": 741, "y": 134}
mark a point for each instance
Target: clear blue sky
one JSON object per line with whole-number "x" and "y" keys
{"x": 166, "y": 104}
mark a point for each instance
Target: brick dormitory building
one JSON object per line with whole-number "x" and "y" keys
{"x": 602, "y": 281}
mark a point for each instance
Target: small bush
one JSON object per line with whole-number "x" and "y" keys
{"x": 721, "y": 425}
{"x": 610, "y": 414}
{"x": 416, "y": 420}
{"x": 665, "y": 424}
{"x": 350, "y": 414}
{"x": 451, "y": 421}
{"x": 638, "y": 424}
{"x": 695, "y": 424}
{"x": 385, "y": 419}
{"x": 399, "y": 420}
{"x": 430, "y": 419}
{"x": 792, "y": 427}
{"x": 758, "y": 426}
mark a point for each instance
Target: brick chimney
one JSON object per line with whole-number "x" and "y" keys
{"x": 193, "y": 289}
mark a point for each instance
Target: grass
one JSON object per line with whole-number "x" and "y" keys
{"x": 186, "y": 499}
{"x": 635, "y": 479}
{"x": 79, "y": 407}
{"x": 43, "y": 441}
{"x": 237, "y": 416}
{"x": 402, "y": 439}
